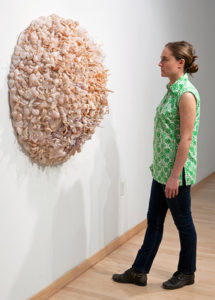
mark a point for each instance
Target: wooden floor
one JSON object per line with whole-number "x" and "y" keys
{"x": 96, "y": 283}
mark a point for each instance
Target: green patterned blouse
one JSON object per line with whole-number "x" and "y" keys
{"x": 167, "y": 133}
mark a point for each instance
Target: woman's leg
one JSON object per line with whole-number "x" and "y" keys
{"x": 180, "y": 208}
{"x": 155, "y": 218}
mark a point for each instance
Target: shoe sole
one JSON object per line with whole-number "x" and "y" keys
{"x": 139, "y": 284}
{"x": 178, "y": 287}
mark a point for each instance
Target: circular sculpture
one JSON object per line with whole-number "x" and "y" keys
{"x": 57, "y": 86}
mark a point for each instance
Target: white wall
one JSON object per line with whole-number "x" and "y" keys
{"x": 53, "y": 219}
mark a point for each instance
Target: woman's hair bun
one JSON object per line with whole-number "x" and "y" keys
{"x": 193, "y": 67}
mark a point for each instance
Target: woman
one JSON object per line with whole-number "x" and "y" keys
{"x": 174, "y": 165}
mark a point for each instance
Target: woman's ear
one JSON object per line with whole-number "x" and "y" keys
{"x": 181, "y": 63}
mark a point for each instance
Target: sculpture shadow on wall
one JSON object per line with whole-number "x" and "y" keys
{"x": 104, "y": 189}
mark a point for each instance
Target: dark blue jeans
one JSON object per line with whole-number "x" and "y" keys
{"x": 180, "y": 208}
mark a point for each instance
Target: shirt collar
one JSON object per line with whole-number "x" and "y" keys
{"x": 176, "y": 86}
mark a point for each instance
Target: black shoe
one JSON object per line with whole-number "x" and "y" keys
{"x": 178, "y": 280}
{"x": 131, "y": 276}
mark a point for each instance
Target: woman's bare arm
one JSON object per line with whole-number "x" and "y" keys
{"x": 187, "y": 110}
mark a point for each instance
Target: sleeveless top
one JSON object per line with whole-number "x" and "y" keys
{"x": 167, "y": 134}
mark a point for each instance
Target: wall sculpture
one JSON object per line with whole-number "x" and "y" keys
{"x": 57, "y": 89}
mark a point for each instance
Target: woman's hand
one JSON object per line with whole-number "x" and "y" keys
{"x": 171, "y": 188}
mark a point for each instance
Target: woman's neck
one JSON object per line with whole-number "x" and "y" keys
{"x": 175, "y": 77}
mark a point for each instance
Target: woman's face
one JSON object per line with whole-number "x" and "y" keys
{"x": 169, "y": 65}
